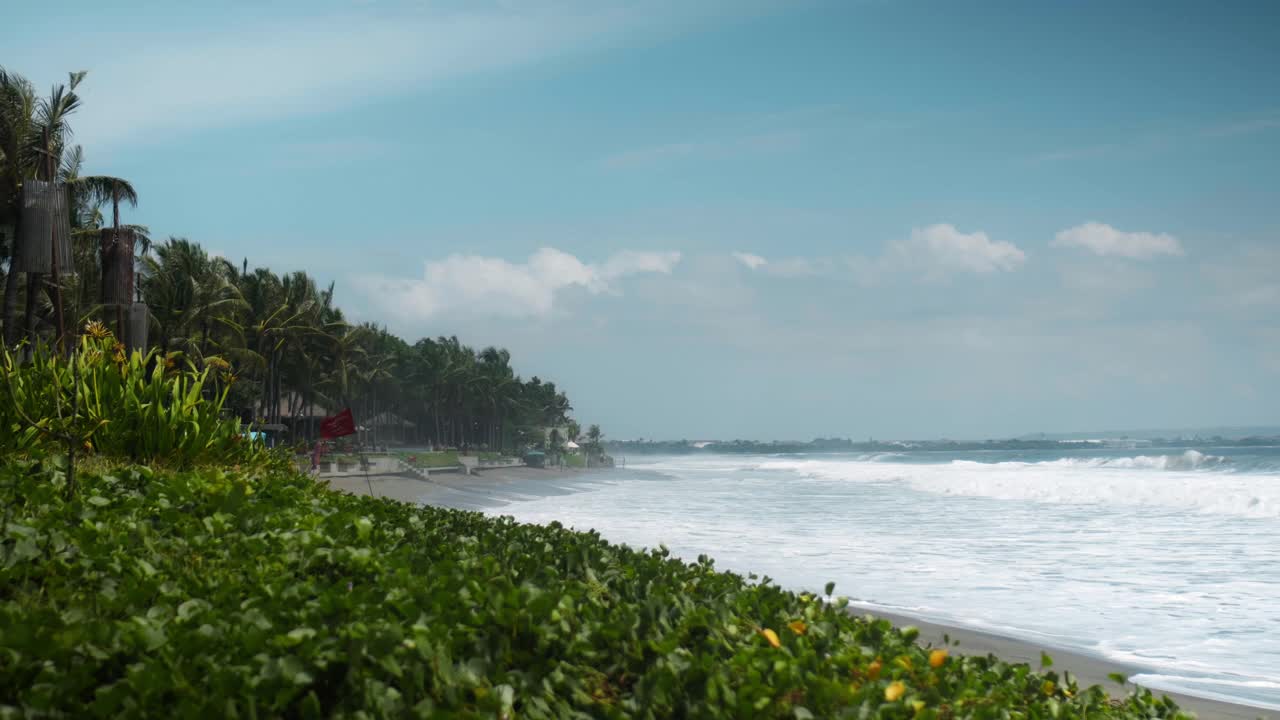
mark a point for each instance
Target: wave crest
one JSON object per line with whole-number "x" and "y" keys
{"x": 1189, "y": 460}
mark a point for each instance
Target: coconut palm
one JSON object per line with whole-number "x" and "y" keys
{"x": 188, "y": 293}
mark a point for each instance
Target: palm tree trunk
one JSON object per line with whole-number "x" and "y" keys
{"x": 11, "y": 307}
{"x": 34, "y": 281}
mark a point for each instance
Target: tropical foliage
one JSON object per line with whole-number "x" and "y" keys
{"x": 35, "y": 143}
{"x": 210, "y": 593}
{"x": 144, "y": 408}
{"x": 295, "y": 356}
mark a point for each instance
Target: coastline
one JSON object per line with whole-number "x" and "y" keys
{"x": 491, "y": 488}
{"x": 1087, "y": 669}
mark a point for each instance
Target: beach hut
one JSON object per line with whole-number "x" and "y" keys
{"x": 571, "y": 445}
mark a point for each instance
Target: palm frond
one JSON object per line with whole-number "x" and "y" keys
{"x": 103, "y": 189}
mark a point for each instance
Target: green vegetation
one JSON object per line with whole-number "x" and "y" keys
{"x": 140, "y": 408}
{"x": 291, "y": 352}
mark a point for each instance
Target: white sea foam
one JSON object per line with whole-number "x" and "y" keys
{"x": 1189, "y": 460}
{"x": 1079, "y": 481}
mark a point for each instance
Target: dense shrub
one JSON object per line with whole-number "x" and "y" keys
{"x": 257, "y": 593}
{"x": 145, "y": 408}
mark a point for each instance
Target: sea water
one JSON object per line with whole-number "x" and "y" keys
{"x": 1168, "y": 560}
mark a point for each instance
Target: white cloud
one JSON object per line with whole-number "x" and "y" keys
{"x": 752, "y": 261}
{"x": 1102, "y": 239}
{"x": 941, "y": 249}
{"x": 472, "y": 284}
{"x": 932, "y": 252}
{"x": 792, "y": 267}
{"x": 243, "y": 66}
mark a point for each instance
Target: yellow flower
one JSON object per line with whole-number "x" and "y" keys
{"x": 96, "y": 330}
{"x": 1047, "y": 688}
{"x": 217, "y": 363}
{"x": 895, "y": 691}
{"x": 937, "y": 658}
{"x": 873, "y": 670}
{"x": 903, "y": 662}
{"x": 797, "y": 626}
{"x": 771, "y": 636}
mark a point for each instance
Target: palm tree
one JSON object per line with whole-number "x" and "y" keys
{"x": 187, "y": 293}
{"x": 17, "y": 117}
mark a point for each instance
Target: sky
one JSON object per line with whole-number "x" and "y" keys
{"x": 747, "y": 219}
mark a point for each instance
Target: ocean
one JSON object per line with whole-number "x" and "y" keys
{"x": 1165, "y": 559}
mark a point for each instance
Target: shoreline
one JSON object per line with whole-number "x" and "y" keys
{"x": 492, "y": 488}
{"x": 1088, "y": 669}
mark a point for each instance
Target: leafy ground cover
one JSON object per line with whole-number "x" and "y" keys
{"x": 258, "y": 593}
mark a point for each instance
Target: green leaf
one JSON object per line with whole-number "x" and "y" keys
{"x": 1045, "y": 660}
{"x": 298, "y": 635}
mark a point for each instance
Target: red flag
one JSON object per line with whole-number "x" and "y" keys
{"x": 338, "y": 425}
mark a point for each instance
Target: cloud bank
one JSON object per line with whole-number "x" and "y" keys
{"x": 477, "y": 285}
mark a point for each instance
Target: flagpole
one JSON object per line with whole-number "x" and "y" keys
{"x": 364, "y": 463}
{"x": 366, "y": 476}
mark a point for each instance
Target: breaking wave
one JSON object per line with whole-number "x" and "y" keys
{"x": 1189, "y": 460}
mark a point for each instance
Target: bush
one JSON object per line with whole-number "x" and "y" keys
{"x": 209, "y": 593}
{"x": 144, "y": 408}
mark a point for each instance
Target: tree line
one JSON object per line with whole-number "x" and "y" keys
{"x": 278, "y": 343}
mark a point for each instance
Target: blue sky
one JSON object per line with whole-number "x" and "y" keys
{"x": 737, "y": 219}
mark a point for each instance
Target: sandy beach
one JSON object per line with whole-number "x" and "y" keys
{"x": 492, "y": 488}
